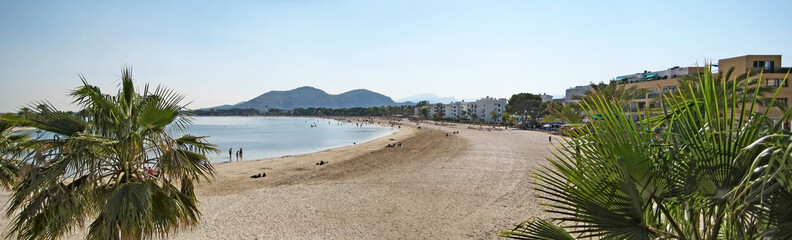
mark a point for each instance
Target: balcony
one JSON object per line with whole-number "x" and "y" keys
{"x": 769, "y": 70}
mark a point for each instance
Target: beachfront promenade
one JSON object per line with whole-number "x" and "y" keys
{"x": 474, "y": 184}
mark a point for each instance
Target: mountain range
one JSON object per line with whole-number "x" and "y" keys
{"x": 306, "y": 97}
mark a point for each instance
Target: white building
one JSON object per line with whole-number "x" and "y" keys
{"x": 576, "y": 92}
{"x": 485, "y": 108}
{"x": 546, "y": 98}
{"x": 480, "y": 110}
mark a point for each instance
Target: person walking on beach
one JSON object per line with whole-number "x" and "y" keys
{"x": 230, "y": 150}
{"x": 550, "y": 139}
{"x": 240, "y": 152}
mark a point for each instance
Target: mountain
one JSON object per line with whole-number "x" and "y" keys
{"x": 432, "y": 98}
{"x": 305, "y": 97}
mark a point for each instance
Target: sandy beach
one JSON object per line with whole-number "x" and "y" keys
{"x": 470, "y": 185}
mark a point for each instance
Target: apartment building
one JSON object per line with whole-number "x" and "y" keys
{"x": 573, "y": 94}
{"x": 664, "y": 81}
{"x": 486, "y": 109}
{"x": 489, "y": 109}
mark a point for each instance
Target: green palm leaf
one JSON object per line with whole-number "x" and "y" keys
{"x": 711, "y": 166}
{"x": 538, "y": 229}
{"x": 93, "y": 168}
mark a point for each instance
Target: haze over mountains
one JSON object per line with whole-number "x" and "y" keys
{"x": 432, "y": 98}
{"x": 307, "y": 97}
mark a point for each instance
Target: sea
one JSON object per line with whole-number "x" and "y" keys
{"x": 269, "y": 137}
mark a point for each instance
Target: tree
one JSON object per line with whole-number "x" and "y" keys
{"x": 570, "y": 113}
{"x": 495, "y": 116}
{"x": 710, "y": 167}
{"x": 525, "y": 103}
{"x": 439, "y": 113}
{"x": 509, "y": 118}
{"x": 11, "y": 146}
{"x": 746, "y": 82}
{"x": 425, "y": 112}
{"x": 615, "y": 92}
{"x": 96, "y": 168}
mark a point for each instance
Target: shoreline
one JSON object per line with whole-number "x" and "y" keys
{"x": 262, "y": 147}
{"x": 278, "y": 169}
{"x": 438, "y": 185}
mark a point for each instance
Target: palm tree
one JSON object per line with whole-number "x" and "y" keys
{"x": 96, "y": 168}
{"x": 615, "y": 92}
{"x": 495, "y": 116}
{"x": 711, "y": 167}
{"x": 570, "y": 113}
{"x": 746, "y": 80}
{"x": 11, "y": 147}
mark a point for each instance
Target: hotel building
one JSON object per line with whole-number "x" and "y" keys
{"x": 480, "y": 110}
{"x": 667, "y": 80}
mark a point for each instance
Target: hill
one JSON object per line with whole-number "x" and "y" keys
{"x": 306, "y": 97}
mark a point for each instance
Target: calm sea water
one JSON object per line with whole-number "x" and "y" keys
{"x": 266, "y": 137}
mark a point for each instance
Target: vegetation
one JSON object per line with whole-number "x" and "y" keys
{"x": 616, "y": 93}
{"x": 11, "y": 147}
{"x": 424, "y": 112}
{"x": 713, "y": 166}
{"x": 570, "y": 113}
{"x": 525, "y": 104}
{"x": 94, "y": 167}
{"x": 509, "y": 119}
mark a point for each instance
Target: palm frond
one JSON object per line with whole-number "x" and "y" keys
{"x": 538, "y": 229}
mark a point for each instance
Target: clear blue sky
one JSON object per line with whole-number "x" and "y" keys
{"x": 219, "y": 52}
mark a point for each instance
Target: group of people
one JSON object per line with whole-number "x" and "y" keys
{"x": 238, "y": 153}
{"x": 394, "y": 145}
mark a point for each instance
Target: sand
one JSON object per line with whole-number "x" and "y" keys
{"x": 471, "y": 185}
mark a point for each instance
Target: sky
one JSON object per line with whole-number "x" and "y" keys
{"x": 226, "y": 52}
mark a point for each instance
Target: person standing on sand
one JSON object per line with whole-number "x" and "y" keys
{"x": 550, "y": 139}
{"x": 229, "y": 152}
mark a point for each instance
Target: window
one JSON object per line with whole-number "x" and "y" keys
{"x": 764, "y": 64}
{"x": 775, "y": 83}
{"x": 766, "y": 101}
{"x": 670, "y": 89}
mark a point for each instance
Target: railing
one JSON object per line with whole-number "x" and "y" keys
{"x": 770, "y": 70}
